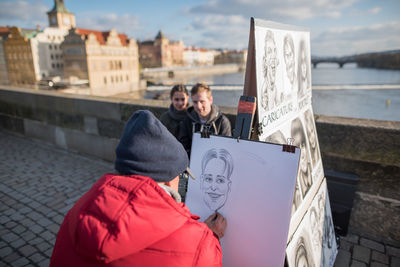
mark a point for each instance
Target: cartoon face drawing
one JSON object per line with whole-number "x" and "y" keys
{"x": 288, "y": 55}
{"x": 217, "y": 167}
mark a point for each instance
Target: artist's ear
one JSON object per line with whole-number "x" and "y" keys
{"x": 211, "y": 99}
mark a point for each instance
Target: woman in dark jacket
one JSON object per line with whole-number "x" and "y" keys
{"x": 177, "y": 110}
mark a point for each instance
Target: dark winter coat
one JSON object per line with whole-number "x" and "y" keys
{"x": 172, "y": 118}
{"x": 217, "y": 124}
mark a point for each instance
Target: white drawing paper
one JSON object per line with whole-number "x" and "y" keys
{"x": 252, "y": 185}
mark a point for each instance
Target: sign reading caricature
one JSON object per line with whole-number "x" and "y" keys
{"x": 252, "y": 185}
{"x": 278, "y": 74}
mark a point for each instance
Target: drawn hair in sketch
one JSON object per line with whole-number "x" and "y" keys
{"x": 276, "y": 138}
{"x": 269, "y": 96}
{"x": 303, "y": 71}
{"x": 304, "y": 174}
{"x": 216, "y": 170}
{"x": 312, "y": 137}
{"x": 328, "y": 239}
{"x": 289, "y": 57}
{"x": 303, "y": 257}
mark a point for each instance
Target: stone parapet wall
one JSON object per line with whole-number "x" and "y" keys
{"x": 93, "y": 125}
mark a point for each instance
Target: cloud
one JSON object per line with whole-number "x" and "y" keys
{"x": 220, "y": 31}
{"x": 23, "y": 13}
{"x": 125, "y": 23}
{"x": 354, "y": 40}
{"x": 275, "y": 9}
{"x": 374, "y": 10}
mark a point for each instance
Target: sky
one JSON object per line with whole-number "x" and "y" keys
{"x": 338, "y": 27}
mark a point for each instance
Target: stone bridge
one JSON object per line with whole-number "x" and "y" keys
{"x": 339, "y": 60}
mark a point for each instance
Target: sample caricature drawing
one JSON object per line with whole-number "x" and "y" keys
{"x": 276, "y": 138}
{"x": 304, "y": 176}
{"x": 216, "y": 170}
{"x": 296, "y": 198}
{"x": 328, "y": 238}
{"x": 303, "y": 257}
{"x": 270, "y": 97}
{"x": 289, "y": 57}
{"x": 312, "y": 137}
{"x": 303, "y": 71}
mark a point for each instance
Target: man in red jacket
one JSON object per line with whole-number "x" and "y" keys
{"x": 135, "y": 217}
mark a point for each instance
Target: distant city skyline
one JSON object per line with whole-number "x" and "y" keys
{"x": 338, "y": 27}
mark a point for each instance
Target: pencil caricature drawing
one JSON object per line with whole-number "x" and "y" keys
{"x": 270, "y": 97}
{"x": 216, "y": 170}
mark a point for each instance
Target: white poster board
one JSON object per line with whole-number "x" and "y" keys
{"x": 278, "y": 73}
{"x": 252, "y": 185}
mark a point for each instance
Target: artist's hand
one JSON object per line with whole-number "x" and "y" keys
{"x": 217, "y": 224}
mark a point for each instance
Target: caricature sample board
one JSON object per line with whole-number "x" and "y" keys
{"x": 278, "y": 74}
{"x": 252, "y": 185}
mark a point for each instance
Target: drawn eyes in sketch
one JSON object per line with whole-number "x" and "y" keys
{"x": 216, "y": 170}
{"x": 312, "y": 137}
{"x": 303, "y": 70}
{"x": 289, "y": 57}
{"x": 270, "y": 97}
{"x": 304, "y": 174}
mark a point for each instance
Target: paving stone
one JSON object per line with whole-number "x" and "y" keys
{"x": 35, "y": 215}
{"x": 361, "y": 253}
{"x": 27, "y": 222}
{"x": 394, "y": 262}
{"x": 37, "y": 257}
{"x": 392, "y": 251}
{"x": 27, "y": 250}
{"x": 37, "y": 229}
{"x": 44, "y": 222}
{"x": 36, "y": 241}
{"x": 20, "y": 262}
{"x": 356, "y": 263}
{"x": 28, "y": 235}
{"x": 4, "y": 252}
{"x": 44, "y": 263}
{"x": 43, "y": 246}
{"x": 380, "y": 257}
{"x": 4, "y": 219}
{"x": 372, "y": 244}
{"x": 3, "y": 244}
{"x": 18, "y": 243}
{"x": 25, "y": 210}
{"x": 345, "y": 245}
{"x": 58, "y": 219}
{"x": 53, "y": 228}
{"x": 19, "y": 229}
{"x": 47, "y": 235}
{"x": 11, "y": 224}
{"x": 342, "y": 259}
{"x": 49, "y": 252}
{"x": 378, "y": 264}
{"x": 9, "y": 237}
{"x": 12, "y": 257}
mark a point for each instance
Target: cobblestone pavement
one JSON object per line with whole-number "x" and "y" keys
{"x": 39, "y": 183}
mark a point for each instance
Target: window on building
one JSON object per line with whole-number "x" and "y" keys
{"x": 50, "y": 47}
{"x": 56, "y": 56}
{"x": 52, "y": 65}
{"x": 62, "y": 65}
{"x": 127, "y": 77}
{"x": 105, "y": 80}
{"x": 112, "y": 79}
{"x": 58, "y": 65}
{"x": 55, "y": 47}
{"x": 120, "y": 65}
{"x": 51, "y": 56}
{"x": 111, "y": 65}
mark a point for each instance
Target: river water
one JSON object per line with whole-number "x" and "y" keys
{"x": 346, "y": 92}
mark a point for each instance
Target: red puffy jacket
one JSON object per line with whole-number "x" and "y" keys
{"x": 131, "y": 221}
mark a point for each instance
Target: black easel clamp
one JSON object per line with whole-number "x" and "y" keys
{"x": 205, "y": 131}
{"x": 289, "y": 147}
